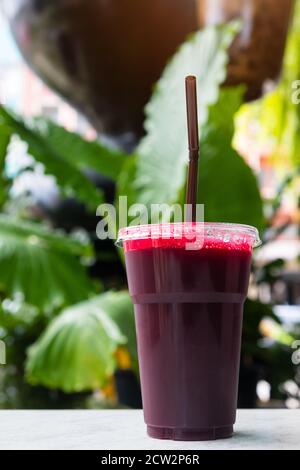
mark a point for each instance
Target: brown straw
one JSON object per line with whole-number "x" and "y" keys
{"x": 193, "y": 135}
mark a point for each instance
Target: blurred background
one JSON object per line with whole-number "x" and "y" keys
{"x": 91, "y": 104}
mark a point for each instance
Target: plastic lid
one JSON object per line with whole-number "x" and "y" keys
{"x": 198, "y": 235}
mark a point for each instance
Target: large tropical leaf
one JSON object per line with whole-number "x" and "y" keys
{"x": 41, "y": 266}
{"x": 70, "y": 179}
{"x": 227, "y": 186}
{"x": 162, "y": 154}
{"x": 81, "y": 153}
{"x": 157, "y": 174}
{"x": 76, "y": 352}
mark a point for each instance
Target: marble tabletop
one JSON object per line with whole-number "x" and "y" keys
{"x": 110, "y": 430}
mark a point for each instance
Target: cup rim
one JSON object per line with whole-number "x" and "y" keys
{"x": 139, "y": 232}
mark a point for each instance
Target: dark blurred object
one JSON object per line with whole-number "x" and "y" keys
{"x": 292, "y": 283}
{"x": 128, "y": 389}
{"x": 104, "y": 57}
{"x": 249, "y": 376}
{"x": 253, "y": 360}
{"x": 257, "y": 53}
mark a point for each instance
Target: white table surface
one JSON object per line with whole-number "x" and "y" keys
{"x": 111, "y": 430}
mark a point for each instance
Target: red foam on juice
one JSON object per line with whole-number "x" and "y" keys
{"x": 144, "y": 244}
{"x": 213, "y": 236}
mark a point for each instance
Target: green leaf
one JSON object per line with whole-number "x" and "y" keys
{"x": 162, "y": 154}
{"x": 81, "y": 153}
{"x": 126, "y": 182}
{"x": 5, "y": 138}
{"x": 15, "y": 314}
{"x": 69, "y": 178}
{"x": 227, "y": 186}
{"x": 121, "y": 311}
{"x": 41, "y": 266}
{"x": 76, "y": 352}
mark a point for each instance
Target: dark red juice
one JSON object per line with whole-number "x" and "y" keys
{"x": 188, "y": 311}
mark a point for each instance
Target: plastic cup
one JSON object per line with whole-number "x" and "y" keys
{"x": 188, "y": 310}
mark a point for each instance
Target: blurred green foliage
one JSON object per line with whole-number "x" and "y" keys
{"x": 278, "y": 113}
{"x": 38, "y": 265}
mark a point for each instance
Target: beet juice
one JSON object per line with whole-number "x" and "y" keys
{"x": 188, "y": 311}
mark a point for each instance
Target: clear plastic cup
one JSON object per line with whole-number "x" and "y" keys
{"x": 188, "y": 310}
